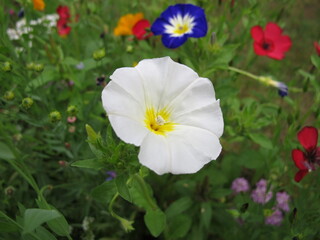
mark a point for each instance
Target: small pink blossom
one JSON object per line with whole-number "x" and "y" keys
{"x": 240, "y": 185}
{"x": 71, "y": 119}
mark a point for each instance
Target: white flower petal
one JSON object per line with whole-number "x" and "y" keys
{"x": 191, "y": 148}
{"x": 155, "y": 154}
{"x": 128, "y": 129}
{"x": 130, "y": 80}
{"x": 126, "y": 115}
{"x": 184, "y": 150}
{"x": 164, "y": 79}
{"x": 198, "y": 94}
{"x": 208, "y": 117}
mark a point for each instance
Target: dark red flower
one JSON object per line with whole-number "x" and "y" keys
{"x": 317, "y": 46}
{"x": 139, "y": 29}
{"x": 63, "y": 28}
{"x": 308, "y": 160}
{"x": 63, "y": 12}
{"x": 270, "y": 42}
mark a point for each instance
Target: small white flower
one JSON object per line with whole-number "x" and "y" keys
{"x": 169, "y": 111}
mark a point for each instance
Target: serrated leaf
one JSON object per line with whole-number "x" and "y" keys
{"x": 89, "y": 163}
{"x": 155, "y": 221}
{"x": 34, "y": 217}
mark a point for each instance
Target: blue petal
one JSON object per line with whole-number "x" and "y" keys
{"x": 173, "y": 42}
{"x": 158, "y": 26}
{"x": 200, "y": 29}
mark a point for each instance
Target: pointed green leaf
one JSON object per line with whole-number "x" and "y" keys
{"x": 33, "y": 218}
{"x": 155, "y": 221}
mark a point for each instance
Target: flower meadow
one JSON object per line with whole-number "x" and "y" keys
{"x": 159, "y": 120}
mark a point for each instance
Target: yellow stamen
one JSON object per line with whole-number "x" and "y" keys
{"x": 158, "y": 122}
{"x": 181, "y": 29}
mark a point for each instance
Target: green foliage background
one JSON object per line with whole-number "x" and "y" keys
{"x": 52, "y": 179}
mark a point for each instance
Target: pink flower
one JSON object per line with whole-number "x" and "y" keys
{"x": 260, "y": 194}
{"x": 240, "y": 185}
{"x": 275, "y": 218}
{"x": 317, "y": 47}
{"x": 282, "y": 201}
{"x": 71, "y": 119}
{"x": 270, "y": 42}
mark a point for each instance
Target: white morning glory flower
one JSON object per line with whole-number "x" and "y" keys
{"x": 169, "y": 111}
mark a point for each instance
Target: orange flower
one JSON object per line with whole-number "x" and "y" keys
{"x": 39, "y": 5}
{"x": 126, "y": 24}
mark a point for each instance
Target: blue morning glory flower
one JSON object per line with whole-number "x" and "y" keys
{"x": 179, "y": 22}
{"x": 282, "y": 89}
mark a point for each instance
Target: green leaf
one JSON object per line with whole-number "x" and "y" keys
{"x": 178, "y": 207}
{"x": 46, "y": 76}
{"x": 59, "y": 225}
{"x": 141, "y": 194}
{"x": 92, "y": 135}
{"x": 44, "y": 234}
{"x": 89, "y": 163}
{"x": 6, "y": 226}
{"x": 155, "y": 221}
{"x": 262, "y": 140}
{"x": 179, "y": 226}
{"x": 34, "y": 217}
{"x": 121, "y": 183}
{"x": 206, "y": 214}
{"x": 315, "y": 61}
{"x": 5, "y": 152}
{"x": 218, "y": 193}
{"x": 104, "y": 192}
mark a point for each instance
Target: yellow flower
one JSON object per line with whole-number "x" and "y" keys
{"x": 39, "y": 5}
{"x": 126, "y": 24}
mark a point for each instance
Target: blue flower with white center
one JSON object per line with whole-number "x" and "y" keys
{"x": 179, "y": 22}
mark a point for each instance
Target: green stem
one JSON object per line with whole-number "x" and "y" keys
{"x": 143, "y": 186}
{"x": 237, "y": 70}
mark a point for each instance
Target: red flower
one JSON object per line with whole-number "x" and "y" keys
{"x": 317, "y": 46}
{"x": 63, "y": 12}
{"x": 139, "y": 29}
{"x": 270, "y": 42}
{"x": 63, "y": 28}
{"x": 62, "y": 23}
{"x": 306, "y": 161}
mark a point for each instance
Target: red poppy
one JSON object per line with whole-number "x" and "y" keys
{"x": 139, "y": 29}
{"x": 306, "y": 161}
{"x": 63, "y": 12}
{"x": 270, "y": 42}
{"x": 317, "y": 46}
{"x": 63, "y": 28}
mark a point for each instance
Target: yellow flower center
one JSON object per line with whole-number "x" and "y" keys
{"x": 181, "y": 29}
{"x": 158, "y": 122}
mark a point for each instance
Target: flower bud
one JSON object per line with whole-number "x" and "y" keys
{"x": 55, "y": 116}
{"x": 6, "y": 67}
{"x": 72, "y": 110}
{"x": 9, "y": 191}
{"x": 38, "y": 67}
{"x": 129, "y": 49}
{"x": 99, "y": 54}
{"x": 8, "y": 95}
{"x": 27, "y": 103}
{"x": 30, "y": 66}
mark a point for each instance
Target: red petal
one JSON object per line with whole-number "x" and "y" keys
{"x": 317, "y": 46}
{"x": 299, "y": 175}
{"x": 139, "y": 29}
{"x": 272, "y": 31}
{"x": 298, "y": 158}
{"x": 284, "y": 42}
{"x": 276, "y": 53}
{"x": 259, "y": 50}
{"x": 257, "y": 33}
{"x": 308, "y": 137}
